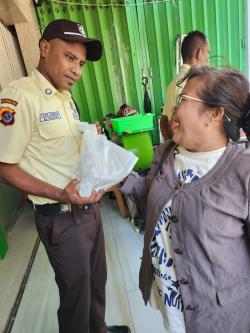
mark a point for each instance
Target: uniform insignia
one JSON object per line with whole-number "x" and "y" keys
{"x": 72, "y": 105}
{"x": 8, "y": 101}
{"x": 50, "y": 116}
{"x": 81, "y": 30}
{"x": 48, "y": 91}
{"x": 7, "y": 116}
{"x": 76, "y": 115}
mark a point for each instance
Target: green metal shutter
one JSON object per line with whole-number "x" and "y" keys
{"x": 140, "y": 41}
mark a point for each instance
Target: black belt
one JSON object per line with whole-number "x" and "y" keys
{"x": 57, "y": 208}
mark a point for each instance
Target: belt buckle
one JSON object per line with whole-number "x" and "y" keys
{"x": 85, "y": 207}
{"x": 65, "y": 208}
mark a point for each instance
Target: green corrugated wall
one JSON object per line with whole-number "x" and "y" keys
{"x": 140, "y": 41}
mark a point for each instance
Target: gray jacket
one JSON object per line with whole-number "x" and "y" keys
{"x": 210, "y": 237}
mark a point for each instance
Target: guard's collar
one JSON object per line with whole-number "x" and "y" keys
{"x": 46, "y": 87}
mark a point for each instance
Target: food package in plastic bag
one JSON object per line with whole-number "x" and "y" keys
{"x": 102, "y": 163}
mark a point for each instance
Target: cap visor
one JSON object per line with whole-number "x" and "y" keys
{"x": 94, "y": 49}
{"x": 93, "y": 46}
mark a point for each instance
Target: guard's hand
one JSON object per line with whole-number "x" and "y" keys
{"x": 95, "y": 196}
{"x": 71, "y": 195}
{"x": 98, "y": 127}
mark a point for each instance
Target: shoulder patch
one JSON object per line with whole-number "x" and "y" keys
{"x": 8, "y": 101}
{"x": 7, "y": 116}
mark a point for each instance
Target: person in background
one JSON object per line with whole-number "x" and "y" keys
{"x": 194, "y": 51}
{"x": 196, "y": 259}
{"x": 39, "y": 122}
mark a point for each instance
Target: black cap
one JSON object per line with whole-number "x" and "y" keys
{"x": 73, "y": 32}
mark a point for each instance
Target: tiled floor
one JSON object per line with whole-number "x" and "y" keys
{"x": 37, "y": 312}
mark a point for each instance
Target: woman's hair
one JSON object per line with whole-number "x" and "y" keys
{"x": 229, "y": 89}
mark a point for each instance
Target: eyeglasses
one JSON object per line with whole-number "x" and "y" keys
{"x": 181, "y": 97}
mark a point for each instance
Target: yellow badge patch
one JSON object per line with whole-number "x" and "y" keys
{"x": 8, "y": 101}
{"x": 7, "y": 116}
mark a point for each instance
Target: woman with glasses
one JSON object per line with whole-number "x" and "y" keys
{"x": 196, "y": 258}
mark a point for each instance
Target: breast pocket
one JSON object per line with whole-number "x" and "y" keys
{"x": 52, "y": 136}
{"x": 51, "y": 131}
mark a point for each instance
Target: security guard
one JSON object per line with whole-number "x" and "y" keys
{"x": 195, "y": 50}
{"x": 38, "y": 120}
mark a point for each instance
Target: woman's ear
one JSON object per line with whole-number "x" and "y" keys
{"x": 218, "y": 113}
{"x": 215, "y": 116}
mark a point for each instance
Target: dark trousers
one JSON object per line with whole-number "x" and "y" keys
{"x": 76, "y": 253}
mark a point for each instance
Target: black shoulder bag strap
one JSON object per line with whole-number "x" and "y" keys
{"x": 164, "y": 155}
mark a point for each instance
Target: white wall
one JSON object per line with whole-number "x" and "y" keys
{"x": 21, "y": 13}
{"x": 11, "y": 64}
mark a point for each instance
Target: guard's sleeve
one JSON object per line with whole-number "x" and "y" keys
{"x": 170, "y": 100}
{"x": 16, "y": 124}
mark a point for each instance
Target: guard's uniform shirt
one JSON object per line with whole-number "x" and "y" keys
{"x": 38, "y": 126}
{"x": 173, "y": 91}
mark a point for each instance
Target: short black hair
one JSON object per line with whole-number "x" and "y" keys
{"x": 192, "y": 41}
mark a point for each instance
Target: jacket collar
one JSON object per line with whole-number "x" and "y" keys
{"x": 222, "y": 164}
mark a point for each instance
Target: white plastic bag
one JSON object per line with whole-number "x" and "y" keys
{"x": 102, "y": 163}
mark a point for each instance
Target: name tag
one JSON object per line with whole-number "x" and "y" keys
{"x": 50, "y": 116}
{"x": 76, "y": 115}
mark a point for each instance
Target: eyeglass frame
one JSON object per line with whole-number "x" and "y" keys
{"x": 179, "y": 100}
